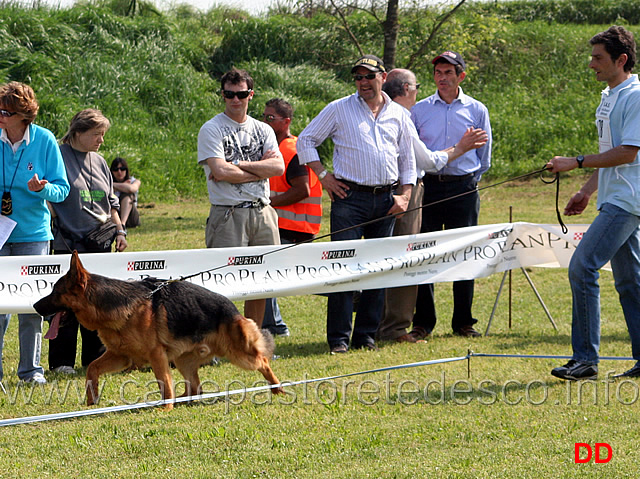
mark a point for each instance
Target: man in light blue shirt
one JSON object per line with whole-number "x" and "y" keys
{"x": 373, "y": 175}
{"x": 615, "y": 233}
{"x": 441, "y": 120}
{"x": 400, "y": 302}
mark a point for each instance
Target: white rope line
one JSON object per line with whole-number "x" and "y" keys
{"x": 227, "y": 394}
{"x": 201, "y": 397}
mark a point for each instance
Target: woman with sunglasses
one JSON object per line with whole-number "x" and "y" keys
{"x": 32, "y": 174}
{"x": 126, "y": 189}
{"x": 91, "y": 202}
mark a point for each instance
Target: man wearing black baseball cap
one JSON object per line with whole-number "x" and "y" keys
{"x": 373, "y": 174}
{"x": 450, "y": 57}
{"x": 370, "y": 62}
{"x": 441, "y": 120}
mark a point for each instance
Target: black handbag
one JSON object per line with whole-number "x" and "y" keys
{"x": 101, "y": 237}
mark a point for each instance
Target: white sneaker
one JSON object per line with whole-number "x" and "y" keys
{"x": 64, "y": 370}
{"x": 36, "y": 378}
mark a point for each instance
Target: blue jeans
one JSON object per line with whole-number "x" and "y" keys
{"x": 29, "y": 325}
{"x": 272, "y": 320}
{"x": 613, "y": 236}
{"x": 357, "y": 208}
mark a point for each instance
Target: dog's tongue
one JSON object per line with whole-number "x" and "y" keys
{"x": 53, "y": 327}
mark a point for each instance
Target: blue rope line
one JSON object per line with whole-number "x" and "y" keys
{"x": 544, "y": 356}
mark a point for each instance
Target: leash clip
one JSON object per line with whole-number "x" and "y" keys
{"x": 158, "y": 288}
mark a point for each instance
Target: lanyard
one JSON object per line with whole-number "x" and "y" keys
{"x": 7, "y": 202}
{"x": 4, "y": 182}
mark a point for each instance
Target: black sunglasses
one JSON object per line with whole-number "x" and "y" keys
{"x": 119, "y": 168}
{"x": 8, "y": 114}
{"x": 242, "y": 94}
{"x": 270, "y": 118}
{"x": 368, "y": 76}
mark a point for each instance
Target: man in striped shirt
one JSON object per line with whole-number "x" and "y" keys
{"x": 373, "y": 174}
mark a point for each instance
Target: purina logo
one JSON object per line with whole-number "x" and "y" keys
{"x": 500, "y": 234}
{"x": 146, "y": 265}
{"x": 245, "y": 260}
{"x": 339, "y": 254}
{"x": 421, "y": 245}
{"x": 39, "y": 269}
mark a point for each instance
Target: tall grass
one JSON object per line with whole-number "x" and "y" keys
{"x": 540, "y": 94}
{"x": 566, "y": 11}
{"x": 132, "y": 69}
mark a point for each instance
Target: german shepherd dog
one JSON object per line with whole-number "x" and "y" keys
{"x": 139, "y": 324}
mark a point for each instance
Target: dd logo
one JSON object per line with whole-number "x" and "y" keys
{"x": 598, "y": 459}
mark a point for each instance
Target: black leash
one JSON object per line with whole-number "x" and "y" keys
{"x": 556, "y": 180}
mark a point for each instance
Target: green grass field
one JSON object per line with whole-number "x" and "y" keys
{"x": 507, "y": 418}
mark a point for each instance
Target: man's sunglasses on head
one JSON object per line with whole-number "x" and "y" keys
{"x": 242, "y": 94}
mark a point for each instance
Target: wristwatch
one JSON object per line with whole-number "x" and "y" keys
{"x": 122, "y": 233}
{"x": 580, "y": 159}
{"x": 322, "y": 174}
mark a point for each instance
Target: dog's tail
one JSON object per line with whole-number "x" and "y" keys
{"x": 269, "y": 343}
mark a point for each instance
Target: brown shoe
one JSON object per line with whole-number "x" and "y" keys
{"x": 419, "y": 334}
{"x": 467, "y": 331}
{"x": 406, "y": 338}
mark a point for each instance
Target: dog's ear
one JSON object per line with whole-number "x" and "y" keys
{"x": 77, "y": 271}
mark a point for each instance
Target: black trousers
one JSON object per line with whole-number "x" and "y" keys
{"x": 451, "y": 214}
{"x": 62, "y": 349}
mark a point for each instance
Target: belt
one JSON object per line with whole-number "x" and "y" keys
{"x": 244, "y": 204}
{"x": 447, "y": 178}
{"x": 376, "y": 190}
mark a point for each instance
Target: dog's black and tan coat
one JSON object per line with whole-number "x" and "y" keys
{"x": 181, "y": 323}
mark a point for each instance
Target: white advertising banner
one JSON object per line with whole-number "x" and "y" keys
{"x": 322, "y": 267}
